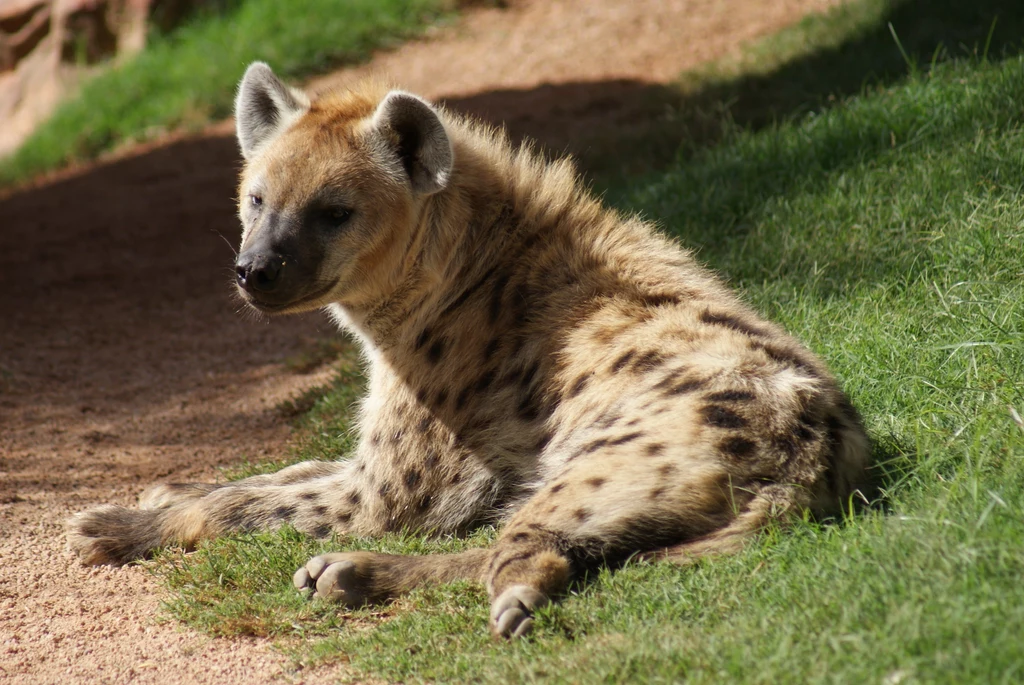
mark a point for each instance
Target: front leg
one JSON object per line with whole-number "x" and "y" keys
{"x": 162, "y": 495}
{"x": 116, "y": 535}
{"x": 409, "y": 473}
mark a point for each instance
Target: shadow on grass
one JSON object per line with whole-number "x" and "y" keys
{"x": 619, "y": 128}
{"x": 627, "y": 133}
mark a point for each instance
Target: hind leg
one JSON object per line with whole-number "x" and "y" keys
{"x": 602, "y": 509}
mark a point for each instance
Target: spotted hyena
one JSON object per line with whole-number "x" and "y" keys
{"x": 533, "y": 358}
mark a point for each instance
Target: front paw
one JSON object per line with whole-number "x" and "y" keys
{"x": 512, "y": 611}
{"x": 346, "y": 578}
{"x": 113, "y": 535}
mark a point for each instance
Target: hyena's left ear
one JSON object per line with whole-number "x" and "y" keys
{"x": 412, "y": 129}
{"x": 265, "y": 106}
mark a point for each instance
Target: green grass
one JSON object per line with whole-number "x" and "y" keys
{"x": 188, "y": 78}
{"x": 885, "y": 228}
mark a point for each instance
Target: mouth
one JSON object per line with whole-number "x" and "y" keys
{"x": 291, "y": 306}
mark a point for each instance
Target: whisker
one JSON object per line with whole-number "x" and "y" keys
{"x": 228, "y": 242}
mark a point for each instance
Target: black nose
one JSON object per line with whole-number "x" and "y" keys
{"x": 259, "y": 272}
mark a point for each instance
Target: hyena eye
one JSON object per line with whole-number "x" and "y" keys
{"x": 256, "y": 200}
{"x": 338, "y": 216}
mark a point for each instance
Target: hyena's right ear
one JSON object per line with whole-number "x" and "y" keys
{"x": 265, "y": 106}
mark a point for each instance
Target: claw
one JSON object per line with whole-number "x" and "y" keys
{"x": 512, "y": 611}
{"x": 333, "y": 577}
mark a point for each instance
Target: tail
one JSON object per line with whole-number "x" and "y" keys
{"x": 772, "y": 504}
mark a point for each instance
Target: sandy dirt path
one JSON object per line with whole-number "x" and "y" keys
{"x": 124, "y": 358}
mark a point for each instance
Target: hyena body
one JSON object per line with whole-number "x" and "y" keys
{"x": 533, "y": 357}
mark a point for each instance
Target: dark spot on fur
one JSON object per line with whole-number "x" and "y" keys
{"x": 622, "y": 361}
{"x": 412, "y": 478}
{"x": 528, "y": 409}
{"x": 528, "y": 374}
{"x": 466, "y": 294}
{"x": 786, "y": 357}
{"x": 581, "y": 514}
{"x": 354, "y": 498}
{"x": 484, "y": 381}
{"x": 375, "y": 438}
{"x": 648, "y": 361}
{"x": 558, "y": 487}
{"x": 670, "y": 378}
{"x": 456, "y": 478}
{"x": 507, "y": 562}
{"x": 497, "y": 294}
{"x": 432, "y": 460}
{"x": 804, "y": 431}
{"x": 628, "y": 437}
{"x": 492, "y": 348}
{"x": 424, "y": 425}
{"x": 519, "y": 537}
{"x": 730, "y": 396}
{"x": 594, "y": 446}
{"x": 396, "y": 437}
{"x": 721, "y": 417}
{"x": 322, "y": 531}
{"x": 736, "y": 324}
{"x": 343, "y": 517}
{"x": 421, "y": 396}
{"x": 542, "y": 442}
{"x": 578, "y": 385}
{"x": 463, "y": 397}
{"x": 737, "y": 447}
{"x": 284, "y": 513}
{"x": 384, "y": 489}
{"x": 441, "y": 397}
{"x": 435, "y": 352}
{"x": 309, "y": 496}
{"x": 686, "y": 386}
{"x": 658, "y": 299}
{"x": 236, "y": 515}
{"x": 595, "y": 482}
{"x": 424, "y": 503}
{"x": 422, "y": 339}
{"x": 787, "y": 444}
{"x": 666, "y": 470}
{"x": 606, "y": 335}
{"x": 654, "y": 449}
{"x": 656, "y": 493}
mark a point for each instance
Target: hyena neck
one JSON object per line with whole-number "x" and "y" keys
{"x": 497, "y": 202}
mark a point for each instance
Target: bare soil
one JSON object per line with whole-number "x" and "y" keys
{"x": 125, "y": 359}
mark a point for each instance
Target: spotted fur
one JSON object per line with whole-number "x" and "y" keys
{"x": 534, "y": 358}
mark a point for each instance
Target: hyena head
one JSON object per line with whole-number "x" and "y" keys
{"x": 329, "y": 189}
